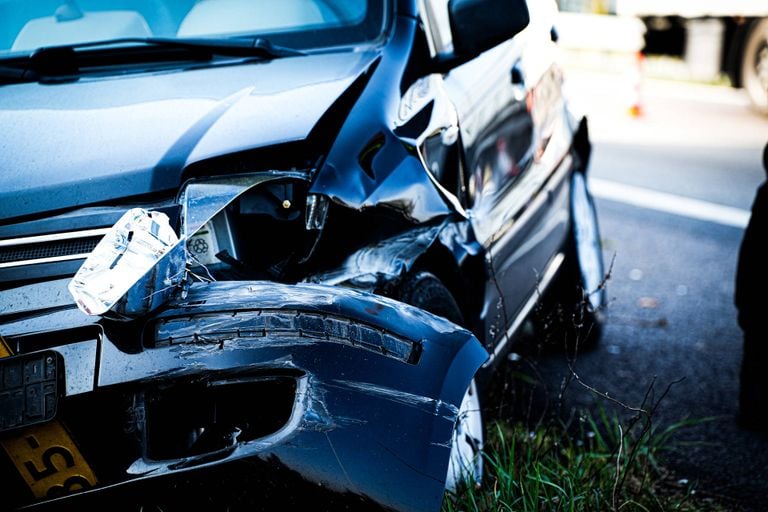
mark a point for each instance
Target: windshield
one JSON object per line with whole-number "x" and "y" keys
{"x": 26, "y": 25}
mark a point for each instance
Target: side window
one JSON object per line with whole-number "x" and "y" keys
{"x": 434, "y": 14}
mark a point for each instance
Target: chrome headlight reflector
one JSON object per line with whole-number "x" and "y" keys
{"x": 141, "y": 241}
{"x": 142, "y": 261}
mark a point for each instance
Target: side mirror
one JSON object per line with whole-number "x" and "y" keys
{"x": 479, "y": 25}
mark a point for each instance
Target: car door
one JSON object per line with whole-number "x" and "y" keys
{"x": 509, "y": 105}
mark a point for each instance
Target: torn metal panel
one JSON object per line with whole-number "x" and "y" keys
{"x": 459, "y": 239}
{"x": 361, "y": 367}
{"x": 281, "y": 327}
{"x": 369, "y": 164}
{"x": 428, "y": 120}
{"x": 389, "y": 259}
{"x": 386, "y": 261}
{"x": 369, "y": 308}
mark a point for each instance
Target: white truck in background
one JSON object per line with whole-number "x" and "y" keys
{"x": 714, "y": 37}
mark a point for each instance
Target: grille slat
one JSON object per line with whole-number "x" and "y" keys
{"x": 69, "y": 246}
{"x": 44, "y": 250}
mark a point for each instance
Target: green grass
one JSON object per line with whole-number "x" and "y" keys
{"x": 600, "y": 465}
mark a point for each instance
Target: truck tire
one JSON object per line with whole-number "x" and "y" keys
{"x": 754, "y": 65}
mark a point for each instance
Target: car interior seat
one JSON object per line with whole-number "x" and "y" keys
{"x": 69, "y": 26}
{"x": 209, "y": 17}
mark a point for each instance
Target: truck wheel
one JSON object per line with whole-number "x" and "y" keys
{"x": 754, "y": 65}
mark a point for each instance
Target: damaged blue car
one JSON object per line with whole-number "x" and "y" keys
{"x": 269, "y": 254}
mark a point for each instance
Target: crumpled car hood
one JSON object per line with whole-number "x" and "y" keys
{"x": 101, "y": 139}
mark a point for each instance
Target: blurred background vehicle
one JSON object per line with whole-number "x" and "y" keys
{"x": 715, "y": 40}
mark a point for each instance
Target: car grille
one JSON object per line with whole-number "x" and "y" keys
{"x": 49, "y": 248}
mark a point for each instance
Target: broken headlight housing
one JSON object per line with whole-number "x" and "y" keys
{"x": 233, "y": 227}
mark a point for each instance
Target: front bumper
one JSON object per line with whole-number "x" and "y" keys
{"x": 263, "y": 394}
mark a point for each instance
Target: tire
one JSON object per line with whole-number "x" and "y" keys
{"x": 754, "y": 65}
{"x": 424, "y": 290}
{"x": 465, "y": 468}
{"x": 584, "y": 263}
{"x": 573, "y": 306}
{"x": 586, "y": 254}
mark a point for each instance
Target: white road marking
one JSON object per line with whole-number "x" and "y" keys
{"x": 669, "y": 203}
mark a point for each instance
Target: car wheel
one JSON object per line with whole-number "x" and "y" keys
{"x": 586, "y": 249}
{"x": 754, "y": 66}
{"x": 465, "y": 468}
{"x": 574, "y": 302}
{"x": 584, "y": 271}
{"x": 424, "y": 290}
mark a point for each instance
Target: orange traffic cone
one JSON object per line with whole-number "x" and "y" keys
{"x": 636, "y": 99}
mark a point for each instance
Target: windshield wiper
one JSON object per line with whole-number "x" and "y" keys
{"x": 236, "y": 47}
{"x": 69, "y": 60}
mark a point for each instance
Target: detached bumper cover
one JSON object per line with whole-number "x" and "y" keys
{"x": 374, "y": 391}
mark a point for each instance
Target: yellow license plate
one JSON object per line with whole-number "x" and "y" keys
{"x": 47, "y": 457}
{"x": 49, "y": 461}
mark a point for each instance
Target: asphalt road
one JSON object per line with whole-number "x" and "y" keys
{"x": 673, "y": 189}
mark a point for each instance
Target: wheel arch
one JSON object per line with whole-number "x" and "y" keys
{"x": 463, "y": 278}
